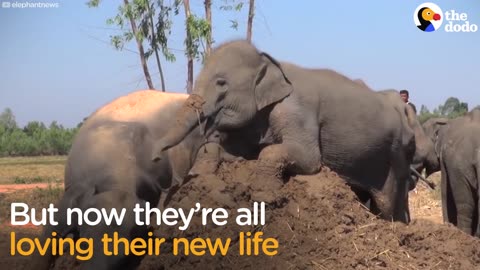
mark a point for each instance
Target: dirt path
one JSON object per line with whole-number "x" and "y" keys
{"x": 14, "y": 187}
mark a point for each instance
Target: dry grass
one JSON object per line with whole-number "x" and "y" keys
{"x": 37, "y": 198}
{"x": 426, "y": 203}
{"x": 21, "y": 170}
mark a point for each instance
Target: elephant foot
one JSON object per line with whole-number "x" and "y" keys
{"x": 278, "y": 170}
{"x": 205, "y": 166}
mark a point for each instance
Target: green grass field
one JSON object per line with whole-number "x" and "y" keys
{"x": 25, "y": 170}
{"x": 28, "y": 170}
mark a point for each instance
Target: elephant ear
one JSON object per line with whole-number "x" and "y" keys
{"x": 271, "y": 84}
{"x": 411, "y": 115}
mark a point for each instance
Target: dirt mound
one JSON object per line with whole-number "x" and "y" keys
{"x": 317, "y": 220}
{"x": 319, "y": 225}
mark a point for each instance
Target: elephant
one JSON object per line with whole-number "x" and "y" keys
{"x": 109, "y": 166}
{"x": 422, "y": 141}
{"x": 456, "y": 153}
{"x": 423, "y": 144}
{"x": 303, "y": 119}
{"x": 361, "y": 82}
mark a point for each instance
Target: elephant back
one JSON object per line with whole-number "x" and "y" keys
{"x": 474, "y": 115}
{"x": 149, "y": 107}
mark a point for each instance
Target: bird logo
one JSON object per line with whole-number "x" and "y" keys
{"x": 428, "y": 17}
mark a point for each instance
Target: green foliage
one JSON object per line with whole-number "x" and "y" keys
{"x": 140, "y": 11}
{"x": 232, "y": 5}
{"x": 7, "y": 120}
{"x": 229, "y": 5}
{"x": 93, "y": 3}
{"x": 34, "y": 139}
{"x": 234, "y": 24}
{"x": 452, "y": 108}
{"x": 163, "y": 27}
{"x": 199, "y": 30}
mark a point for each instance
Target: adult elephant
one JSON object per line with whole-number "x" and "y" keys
{"x": 109, "y": 167}
{"x": 305, "y": 119}
{"x": 422, "y": 141}
{"x": 456, "y": 153}
{"x": 361, "y": 82}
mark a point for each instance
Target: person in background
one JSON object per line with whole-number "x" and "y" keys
{"x": 405, "y": 97}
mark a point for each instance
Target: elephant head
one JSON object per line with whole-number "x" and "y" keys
{"x": 432, "y": 128}
{"x": 236, "y": 83}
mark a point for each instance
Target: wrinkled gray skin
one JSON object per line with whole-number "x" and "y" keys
{"x": 457, "y": 156}
{"x": 409, "y": 120}
{"x": 306, "y": 118}
{"x": 423, "y": 144}
{"x": 109, "y": 167}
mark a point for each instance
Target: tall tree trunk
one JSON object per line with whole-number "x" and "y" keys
{"x": 251, "y": 9}
{"x": 208, "y": 16}
{"x": 155, "y": 47}
{"x": 140, "y": 50}
{"x": 186, "y": 4}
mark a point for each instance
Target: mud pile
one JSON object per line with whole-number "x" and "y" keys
{"x": 319, "y": 225}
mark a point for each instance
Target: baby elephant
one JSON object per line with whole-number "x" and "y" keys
{"x": 109, "y": 167}
{"x": 456, "y": 153}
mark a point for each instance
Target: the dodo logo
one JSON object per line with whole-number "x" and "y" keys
{"x": 428, "y": 17}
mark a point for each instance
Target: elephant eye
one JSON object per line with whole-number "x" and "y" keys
{"x": 221, "y": 82}
{"x": 221, "y": 85}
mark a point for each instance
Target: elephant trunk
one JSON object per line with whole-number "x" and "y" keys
{"x": 432, "y": 164}
{"x": 430, "y": 184}
{"x": 188, "y": 118}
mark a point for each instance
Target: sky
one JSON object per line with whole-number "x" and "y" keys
{"x": 57, "y": 63}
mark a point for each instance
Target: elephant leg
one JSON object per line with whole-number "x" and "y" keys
{"x": 463, "y": 200}
{"x": 391, "y": 205}
{"x": 408, "y": 216}
{"x": 363, "y": 196}
{"x": 392, "y": 200}
{"x": 294, "y": 157}
{"x": 477, "y": 232}
{"x": 62, "y": 230}
{"x": 477, "y": 206}
{"x": 115, "y": 199}
{"x": 449, "y": 211}
{"x": 477, "y": 185}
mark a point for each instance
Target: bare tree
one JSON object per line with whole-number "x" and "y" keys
{"x": 141, "y": 51}
{"x": 251, "y": 9}
{"x": 149, "y": 28}
{"x": 189, "y": 42}
{"x": 208, "y": 17}
{"x": 155, "y": 44}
